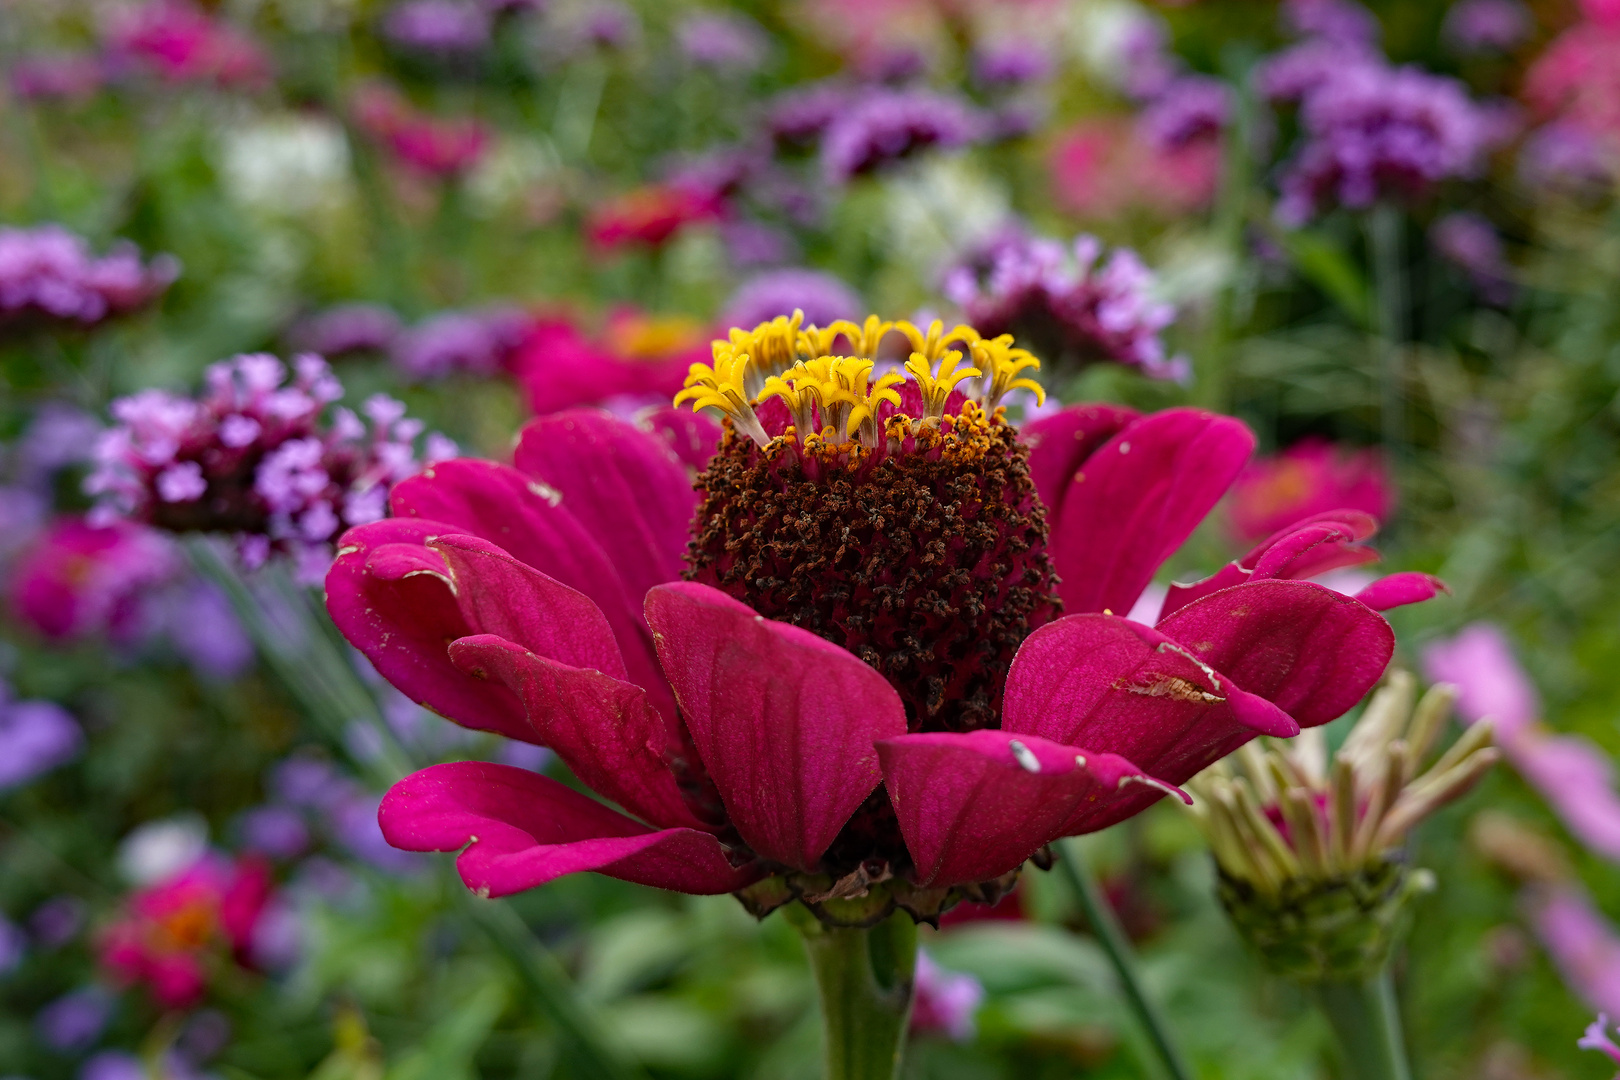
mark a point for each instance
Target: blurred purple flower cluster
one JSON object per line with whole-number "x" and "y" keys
{"x": 1477, "y": 26}
{"x": 880, "y": 127}
{"x": 1066, "y": 303}
{"x": 347, "y": 328}
{"x": 35, "y": 737}
{"x": 478, "y": 342}
{"x": 439, "y": 27}
{"x": 1370, "y": 130}
{"x": 722, "y": 41}
{"x": 822, "y": 297}
{"x": 50, "y": 274}
{"x": 1470, "y": 242}
{"x": 256, "y": 457}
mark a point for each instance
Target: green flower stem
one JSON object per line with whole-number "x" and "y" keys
{"x": 866, "y": 979}
{"x": 1384, "y": 225}
{"x": 1367, "y": 1023}
{"x": 1112, "y": 937}
{"x": 306, "y": 654}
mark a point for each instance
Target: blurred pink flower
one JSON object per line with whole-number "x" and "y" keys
{"x": 1575, "y": 776}
{"x": 180, "y": 42}
{"x": 638, "y": 355}
{"x": 76, "y": 580}
{"x": 1582, "y": 943}
{"x": 1311, "y": 477}
{"x": 1597, "y": 1038}
{"x": 1577, "y": 78}
{"x": 947, "y": 1001}
{"x": 1102, "y": 167}
{"x": 648, "y": 216}
{"x": 441, "y": 147}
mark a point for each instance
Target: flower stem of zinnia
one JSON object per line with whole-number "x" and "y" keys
{"x": 866, "y": 978}
{"x": 1367, "y": 1023}
{"x": 1111, "y": 935}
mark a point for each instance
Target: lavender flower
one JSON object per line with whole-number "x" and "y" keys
{"x": 1596, "y": 1037}
{"x": 1192, "y": 107}
{"x": 57, "y": 921}
{"x": 887, "y": 126}
{"x": 1471, "y": 243}
{"x": 1067, "y": 305}
{"x": 446, "y": 28}
{"x": 1300, "y": 70}
{"x": 822, "y": 297}
{"x": 1335, "y": 20}
{"x": 754, "y": 244}
{"x": 199, "y": 623}
{"x": 113, "y": 1065}
{"x": 1564, "y": 155}
{"x": 306, "y": 782}
{"x": 75, "y": 1020}
{"x": 1582, "y": 943}
{"x": 1372, "y": 130}
{"x": 347, "y": 328}
{"x": 469, "y": 342}
{"x": 35, "y": 737}
{"x": 1480, "y": 26}
{"x": 255, "y": 456}
{"x": 797, "y": 119}
{"x": 1010, "y": 62}
{"x": 49, "y": 274}
{"x": 728, "y": 43}
{"x": 277, "y": 831}
{"x": 13, "y": 945}
{"x": 947, "y": 1001}
{"x": 1147, "y": 65}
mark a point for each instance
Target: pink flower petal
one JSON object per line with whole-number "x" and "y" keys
{"x": 784, "y": 721}
{"x": 1309, "y": 650}
{"x": 1132, "y": 503}
{"x": 390, "y": 596}
{"x": 1060, "y": 444}
{"x": 628, "y": 488}
{"x": 1112, "y": 685}
{"x": 604, "y": 729}
{"x": 521, "y": 830}
{"x": 526, "y": 520}
{"x": 1480, "y": 663}
{"x": 974, "y": 806}
{"x": 1577, "y": 779}
{"x": 1396, "y": 590}
{"x": 693, "y": 436}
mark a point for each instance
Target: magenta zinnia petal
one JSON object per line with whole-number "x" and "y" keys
{"x": 521, "y": 829}
{"x": 784, "y": 721}
{"x": 1398, "y": 590}
{"x": 1060, "y": 444}
{"x": 974, "y": 806}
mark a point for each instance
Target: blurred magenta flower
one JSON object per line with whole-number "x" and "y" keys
{"x": 57, "y": 76}
{"x": 1102, "y": 167}
{"x": 1582, "y": 943}
{"x": 168, "y": 936}
{"x": 947, "y": 1001}
{"x": 1311, "y": 477}
{"x": 826, "y": 744}
{"x": 48, "y": 274}
{"x": 258, "y": 457}
{"x": 822, "y": 297}
{"x": 35, "y": 737}
{"x": 638, "y": 356}
{"x": 78, "y": 579}
{"x": 180, "y": 42}
{"x": 1476, "y": 26}
{"x": 1066, "y": 302}
{"x": 1572, "y": 774}
{"x": 648, "y": 216}
{"x": 475, "y": 342}
{"x": 1597, "y": 1038}
{"x": 440, "y": 147}
{"x": 881, "y": 127}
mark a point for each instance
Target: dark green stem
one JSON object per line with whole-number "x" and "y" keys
{"x": 1384, "y": 225}
{"x": 866, "y": 979}
{"x": 1111, "y": 936}
{"x": 1367, "y": 1023}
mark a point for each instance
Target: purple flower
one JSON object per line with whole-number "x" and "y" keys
{"x": 35, "y": 737}
{"x": 307, "y": 782}
{"x": 256, "y": 456}
{"x": 355, "y": 823}
{"x": 797, "y": 119}
{"x": 13, "y": 944}
{"x": 49, "y": 274}
{"x": 1470, "y": 241}
{"x": 469, "y": 342}
{"x": 754, "y": 244}
{"x": 442, "y": 27}
{"x": 822, "y": 297}
{"x": 57, "y": 77}
{"x": 1563, "y": 154}
{"x": 1581, "y": 942}
{"x": 57, "y": 921}
{"x": 199, "y": 622}
{"x": 1010, "y": 62}
{"x": 1476, "y": 26}
{"x": 1335, "y": 20}
{"x": 1191, "y": 108}
{"x": 947, "y": 1001}
{"x": 730, "y": 43}
{"x": 1300, "y": 70}
{"x": 277, "y": 831}
{"x": 1596, "y": 1037}
{"x": 113, "y": 1065}
{"x": 59, "y": 435}
{"x": 887, "y": 126}
{"x": 75, "y": 1020}
{"x": 1147, "y": 65}
{"x": 347, "y": 328}
{"x": 1068, "y": 305}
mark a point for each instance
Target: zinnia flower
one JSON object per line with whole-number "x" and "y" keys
{"x": 840, "y": 671}
{"x": 650, "y": 216}
{"x": 439, "y": 147}
{"x": 179, "y": 42}
{"x": 1310, "y": 477}
{"x": 638, "y": 358}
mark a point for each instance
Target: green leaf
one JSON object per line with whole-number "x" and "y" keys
{"x": 1324, "y": 263}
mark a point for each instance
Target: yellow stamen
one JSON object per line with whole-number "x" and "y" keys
{"x": 724, "y": 387}
{"x": 1001, "y": 364}
{"x": 849, "y": 400}
{"x": 774, "y": 344}
{"x": 937, "y": 388}
{"x": 863, "y": 340}
{"x": 934, "y": 343}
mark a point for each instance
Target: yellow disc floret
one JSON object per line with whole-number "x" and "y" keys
{"x": 936, "y": 388}
{"x": 1002, "y": 364}
{"x": 725, "y": 387}
{"x": 937, "y": 340}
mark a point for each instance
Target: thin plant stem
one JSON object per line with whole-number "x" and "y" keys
{"x": 1213, "y": 361}
{"x": 578, "y": 103}
{"x": 867, "y": 980}
{"x": 1111, "y": 935}
{"x": 1366, "y": 1020}
{"x": 1384, "y": 225}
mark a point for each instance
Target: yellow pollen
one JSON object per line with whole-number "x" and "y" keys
{"x": 1002, "y": 365}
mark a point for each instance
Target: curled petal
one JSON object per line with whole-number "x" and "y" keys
{"x": 1311, "y": 651}
{"x": 1117, "y": 686}
{"x": 973, "y": 806}
{"x": 1397, "y": 590}
{"x": 521, "y": 830}
{"x": 1060, "y": 444}
{"x": 785, "y": 722}
{"x": 391, "y": 597}
{"x": 1134, "y": 501}
{"x": 603, "y": 728}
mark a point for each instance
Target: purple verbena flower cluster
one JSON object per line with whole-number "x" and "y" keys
{"x": 798, "y": 118}
{"x": 347, "y": 328}
{"x": 35, "y": 737}
{"x": 1067, "y": 304}
{"x": 439, "y": 27}
{"x": 884, "y": 126}
{"x": 1191, "y": 107}
{"x": 723, "y": 42}
{"x": 460, "y": 342}
{"x": 1476, "y": 26}
{"x": 257, "y": 457}
{"x": 50, "y": 274}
